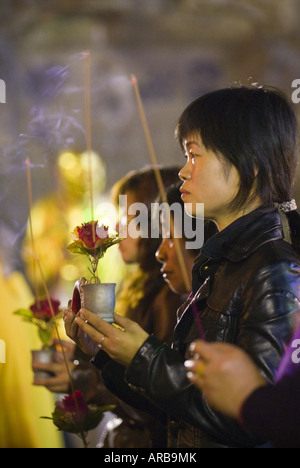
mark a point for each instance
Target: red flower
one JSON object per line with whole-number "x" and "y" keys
{"x": 92, "y": 240}
{"x": 74, "y": 415}
{"x": 74, "y": 404}
{"x": 91, "y": 235}
{"x": 42, "y": 311}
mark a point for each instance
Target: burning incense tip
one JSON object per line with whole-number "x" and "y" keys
{"x": 85, "y": 54}
{"x": 133, "y": 79}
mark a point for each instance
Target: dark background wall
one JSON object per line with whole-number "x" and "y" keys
{"x": 178, "y": 49}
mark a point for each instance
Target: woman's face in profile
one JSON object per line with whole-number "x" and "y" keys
{"x": 206, "y": 180}
{"x": 129, "y": 247}
{"x": 171, "y": 269}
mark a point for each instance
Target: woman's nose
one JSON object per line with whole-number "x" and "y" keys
{"x": 161, "y": 253}
{"x": 185, "y": 172}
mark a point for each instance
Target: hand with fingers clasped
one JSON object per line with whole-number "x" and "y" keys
{"x": 120, "y": 341}
{"x": 83, "y": 341}
{"x": 59, "y": 382}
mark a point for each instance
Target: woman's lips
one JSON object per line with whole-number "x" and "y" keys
{"x": 184, "y": 192}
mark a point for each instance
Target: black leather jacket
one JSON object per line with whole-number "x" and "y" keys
{"x": 246, "y": 287}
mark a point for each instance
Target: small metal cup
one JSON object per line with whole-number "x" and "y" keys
{"x": 44, "y": 356}
{"x": 99, "y": 298}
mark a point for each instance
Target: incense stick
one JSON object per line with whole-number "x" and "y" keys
{"x": 53, "y": 316}
{"x": 88, "y": 128}
{"x": 73, "y": 393}
{"x": 157, "y": 173}
{"x": 164, "y": 198}
{"x": 36, "y": 260}
{"x": 29, "y": 195}
{"x": 148, "y": 138}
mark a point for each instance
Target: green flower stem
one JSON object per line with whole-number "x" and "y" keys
{"x": 94, "y": 260}
{"x": 83, "y": 436}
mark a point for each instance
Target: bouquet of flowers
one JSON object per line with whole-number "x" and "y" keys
{"x": 92, "y": 240}
{"x": 43, "y": 314}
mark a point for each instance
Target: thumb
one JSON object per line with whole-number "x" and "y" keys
{"x": 124, "y": 322}
{"x": 201, "y": 349}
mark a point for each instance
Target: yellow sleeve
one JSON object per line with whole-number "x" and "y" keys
{"x": 21, "y": 404}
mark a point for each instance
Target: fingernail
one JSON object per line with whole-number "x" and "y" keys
{"x": 189, "y": 375}
{"x": 192, "y": 346}
{"x": 188, "y": 363}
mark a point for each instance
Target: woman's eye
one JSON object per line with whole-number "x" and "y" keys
{"x": 193, "y": 155}
{"x": 171, "y": 242}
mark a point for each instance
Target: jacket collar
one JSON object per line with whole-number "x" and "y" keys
{"x": 236, "y": 242}
{"x": 245, "y": 235}
{"x": 242, "y": 237}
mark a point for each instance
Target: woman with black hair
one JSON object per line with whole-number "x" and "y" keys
{"x": 240, "y": 150}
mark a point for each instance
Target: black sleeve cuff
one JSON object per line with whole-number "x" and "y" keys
{"x": 100, "y": 360}
{"x": 134, "y": 374}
